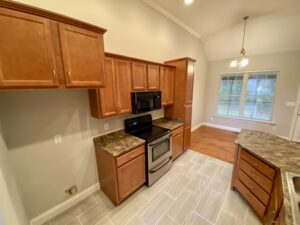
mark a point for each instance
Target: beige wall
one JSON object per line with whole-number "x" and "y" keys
{"x": 286, "y": 90}
{"x": 43, "y": 169}
{"x": 11, "y": 208}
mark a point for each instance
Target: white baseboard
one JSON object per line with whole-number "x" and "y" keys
{"x": 197, "y": 126}
{"x": 39, "y": 220}
{"x": 222, "y": 127}
{"x": 286, "y": 138}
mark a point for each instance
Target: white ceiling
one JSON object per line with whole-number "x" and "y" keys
{"x": 274, "y": 25}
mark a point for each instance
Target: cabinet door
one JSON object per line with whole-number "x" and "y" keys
{"x": 123, "y": 85}
{"x": 26, "y": 51}
{"x": 108, "y": 93}
{"x": 187, "y": 137}
{"x": 83, "y": 56}
{"x": 153, "y": 77}
{"x": 131, "y": 176}
{"x": 189, "y": 83}
{"x": 139, "y": 76}
{"x": 177, "y": 145}
{"x": 167, "y": 85}
{"x": 188, "y": 114}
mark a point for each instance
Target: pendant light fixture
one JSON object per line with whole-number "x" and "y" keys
{"x": 242, "y": 61}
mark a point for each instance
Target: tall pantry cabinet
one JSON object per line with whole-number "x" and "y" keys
{"x": 183, "y": 96}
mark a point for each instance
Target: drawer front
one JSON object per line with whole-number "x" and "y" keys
{"x": 259, "y": 165}
{"x": 255, "y": 175}
{"x": 130, "y": 155}
{"x": 262, "y": 195}
{"x": 257, "y": 206}
{"x": 177, "y": 131}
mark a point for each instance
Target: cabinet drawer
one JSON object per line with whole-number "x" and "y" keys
{"x": 258, "y": 207}
{"x": 130, "y": 155}
{"x": 259, "y": 165}
{"x": 254, "y": 188}
{"x": 255, "y": 175}
{"x": 177, "y": 131}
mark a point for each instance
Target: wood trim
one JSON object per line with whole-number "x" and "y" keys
{"x": 114, "y": 55}
{"x": 181, "y": 59}
{"x": 50, "y": 15}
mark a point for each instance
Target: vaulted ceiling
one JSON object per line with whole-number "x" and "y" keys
{"x": 274, "y": 25}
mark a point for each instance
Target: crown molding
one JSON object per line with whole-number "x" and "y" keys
{"x": 168, "y": 15}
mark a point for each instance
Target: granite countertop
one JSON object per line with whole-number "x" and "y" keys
{"x": 118, "y": 142}
{"x": 281, "y": 153}
{"x": 168, "y": 123}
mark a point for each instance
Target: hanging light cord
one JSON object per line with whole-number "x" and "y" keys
{"x": 245, "y": 23}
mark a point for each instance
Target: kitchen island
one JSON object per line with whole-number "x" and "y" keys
{"x": 261, "y": 164}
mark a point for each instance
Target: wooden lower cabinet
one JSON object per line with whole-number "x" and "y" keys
{"x": 177, "y": 143}
{"x": 120, "y": 177}
{"x": 259, "y": 184}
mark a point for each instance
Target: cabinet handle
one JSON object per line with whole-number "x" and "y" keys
{"x": 69, "y": 76}
{"x": 54, "y": 75}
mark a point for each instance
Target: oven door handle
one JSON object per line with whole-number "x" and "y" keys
{"x": 162, "y": 164}
{"x": 159, "y": 142}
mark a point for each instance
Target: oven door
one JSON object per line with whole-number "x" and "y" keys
{"x": 159, "y": 151}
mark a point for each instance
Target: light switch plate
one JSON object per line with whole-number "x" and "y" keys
{"x": 106, "y": 126}
{"x": 57, "y": 139}
{"x": 291, "y": 104}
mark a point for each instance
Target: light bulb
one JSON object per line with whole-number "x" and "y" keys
{"x": 243, "y": 62}
{"x": 233, "y": 63}
{"x": 188, "y": 2}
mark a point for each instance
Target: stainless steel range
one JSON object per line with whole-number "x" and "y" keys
{"x": 158, "y": 145}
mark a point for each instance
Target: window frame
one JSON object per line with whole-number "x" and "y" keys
{"x": 245, "y": 75}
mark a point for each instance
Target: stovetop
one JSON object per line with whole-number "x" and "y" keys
{"x": 150, "y": 133}
{"x": 142, "y": 127}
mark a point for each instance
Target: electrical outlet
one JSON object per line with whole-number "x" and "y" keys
{"x": 71, "y": 191}
{"x": 57, "y": 139}
{"x": 106, "y": 126}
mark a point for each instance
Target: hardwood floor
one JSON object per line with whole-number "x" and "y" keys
{"x": 214, "y": 142}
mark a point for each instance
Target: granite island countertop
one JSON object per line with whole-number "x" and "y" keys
{"x": 117, "y": 143}
{"x": 281, "y": 153}
{"x": 168, "y": 123}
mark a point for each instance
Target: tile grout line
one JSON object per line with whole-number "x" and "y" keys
{"x": 204, "y": 218}
{"x": 223, "y": 203}
{"x": 165, "y": 213}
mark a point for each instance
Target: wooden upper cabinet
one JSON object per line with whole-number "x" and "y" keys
{"x": 123, "y": 85}
{"x": 139, "y": 76}
{"x": 153, "y": 77}
{"x": 115, "y": 97}
{"x": 167, "y": 85}
{"x": 108, "y": 93}
{"x": 83, "y": 56}
{"x": 189, "y": 82}
{"x": 26, "y": 51}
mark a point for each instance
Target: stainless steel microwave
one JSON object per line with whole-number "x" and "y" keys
{"x": 145, "y": 101}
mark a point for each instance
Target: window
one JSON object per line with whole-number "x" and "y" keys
{"x": 247, "y": 95}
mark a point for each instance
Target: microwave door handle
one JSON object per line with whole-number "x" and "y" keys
{"x": 162, "y": 164}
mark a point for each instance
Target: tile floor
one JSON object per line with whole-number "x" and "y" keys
{"x": 194, "y": 192}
